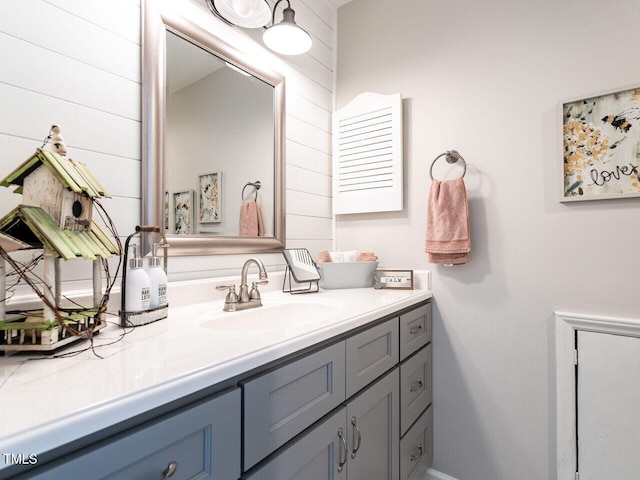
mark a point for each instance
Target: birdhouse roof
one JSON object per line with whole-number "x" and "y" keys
{"x": 74, "y": 176}
{"x": 34, "y": 226}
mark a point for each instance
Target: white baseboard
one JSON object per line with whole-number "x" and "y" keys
{"x": 436, "y": 475}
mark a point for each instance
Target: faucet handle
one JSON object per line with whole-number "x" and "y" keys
{"x": 232, "y": 296}
{"x": 255, "y": 293}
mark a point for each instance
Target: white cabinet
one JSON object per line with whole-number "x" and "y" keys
{"x": 608, "y": 395}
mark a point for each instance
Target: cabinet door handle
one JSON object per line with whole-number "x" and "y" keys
{"x": 358, "y": 437}
{"x": 343, "y": 448}
{"x": 416, "y": 329}
{"x": 415, "y": 386}
{"x": 415, "y": 456}
{"x": 170, "y": 470}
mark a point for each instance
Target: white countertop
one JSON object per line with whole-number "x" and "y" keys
{"x": 47, "y": 402}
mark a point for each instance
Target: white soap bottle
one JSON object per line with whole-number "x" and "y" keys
{"x": 138, "y": 291}
{"x": 157, "y": 279}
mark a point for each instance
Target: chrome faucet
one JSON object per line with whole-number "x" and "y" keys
{"x": 246, "y": 299}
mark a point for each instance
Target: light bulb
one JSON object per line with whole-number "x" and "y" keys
{"x": 245, "y": 8}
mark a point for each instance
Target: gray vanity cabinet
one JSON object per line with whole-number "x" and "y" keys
{"x": 415, "y": 330}
{"x": 279, "y": 404}
{"x": 416, "y": 448}
{"x": 318, "y": 454}
{"x": 373, "y": 431}
{"x": 416, "y": 386}
{"x": 199, "y": 442}
{"x": 283, "y": 402}
{"x": 416, "y": 417}
{"x": 358, "y": 441}
{"x": 371, "y": 353}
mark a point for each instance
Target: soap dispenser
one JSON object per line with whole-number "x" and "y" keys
{"x": 157, "y": 280}
{"x": 137, "y": 289}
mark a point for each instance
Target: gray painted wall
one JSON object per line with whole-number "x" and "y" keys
{"x": 485, "y": 78}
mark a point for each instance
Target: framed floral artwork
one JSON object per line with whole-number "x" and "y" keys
{"x": 183, "y": 212}
{"x": 601, "y": 146}
{"x": 166, "y": 211}
{"x": 210, "y": 194}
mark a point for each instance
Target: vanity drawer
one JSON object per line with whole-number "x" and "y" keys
{"x": 203, "y": 441}
{"x": 415, "y": 387}
{"x": 282, "y": 403}
{"x": 416, "y": 448}
{"x": 415, "y": 330}
{"x": 370, "y": 354}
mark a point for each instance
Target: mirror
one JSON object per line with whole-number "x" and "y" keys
{"x": 213, "y": 140}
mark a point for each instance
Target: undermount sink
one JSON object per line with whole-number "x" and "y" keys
{"x": 278, "y": 313}
{"x": 290, "y": 315}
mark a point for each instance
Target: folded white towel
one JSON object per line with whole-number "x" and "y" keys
{"x": 341, "y": 257}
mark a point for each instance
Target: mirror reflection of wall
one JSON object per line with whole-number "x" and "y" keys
{"x": 219, "y": 121}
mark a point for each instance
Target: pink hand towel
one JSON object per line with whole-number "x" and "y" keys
{"x": 448, "y": 240}
{"x": 250, "y": 219}
{"x": 323, "y": 257}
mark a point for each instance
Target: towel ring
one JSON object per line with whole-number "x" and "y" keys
{"x": 256, "y": 185}
{"x": 451, "y": 156}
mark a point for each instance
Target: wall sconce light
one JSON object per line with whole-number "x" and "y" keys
{"x": 286, "y": 37}
{"x": 242, "y": 13}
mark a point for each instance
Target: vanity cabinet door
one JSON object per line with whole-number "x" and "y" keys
{"x": 370, "y": 354}
{"x": 416, "y": 448}
{"x": 415, "y": 330}
{"x": 201, "y": 442}
{"x": 319, "y": 454}
{"x": 373, "y": 431}
{"x": 415, "y": 387}
{"x": 280, "y": 404}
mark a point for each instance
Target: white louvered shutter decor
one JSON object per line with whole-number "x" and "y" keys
{"x": 367, "y": 155}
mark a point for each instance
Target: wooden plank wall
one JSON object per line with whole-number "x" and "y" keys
{"x": 77, "y": 63}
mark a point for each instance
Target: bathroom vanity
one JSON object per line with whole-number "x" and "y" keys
{"x": 330, "y": 385}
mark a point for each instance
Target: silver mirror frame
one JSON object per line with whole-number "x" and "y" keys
{"x": 156, "y": 20}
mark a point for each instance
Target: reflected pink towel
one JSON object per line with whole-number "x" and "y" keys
{"x": 448, "y": 240}
{"x": 250, "y": 219}
{"x": 323, "y": 257}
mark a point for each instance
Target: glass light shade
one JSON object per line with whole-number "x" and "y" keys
{"x": 245, "y": 8}
{"x": 287, "y": 37}
{"x": 244, "y": 13}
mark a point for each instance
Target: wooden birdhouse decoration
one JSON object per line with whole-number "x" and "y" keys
{"x": 55, "y": 215}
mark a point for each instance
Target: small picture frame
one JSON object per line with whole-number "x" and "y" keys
{"x": 183, "y": 212}
{"x": 393, "y": 278}
{"x": 166, "y": 212}
{"x": 210, "y": 194}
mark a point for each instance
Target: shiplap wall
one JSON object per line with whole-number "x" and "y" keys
{"x": 77, "y": 63}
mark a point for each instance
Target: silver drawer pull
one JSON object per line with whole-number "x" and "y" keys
{"x": 170, "y": 470}
{"x": 358, "y": 437}
{"x": 415, "y": 456}
{"x": 415, "y": 386}
{"x": 343, "y": 448}
{"x": 416, "y": 329}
